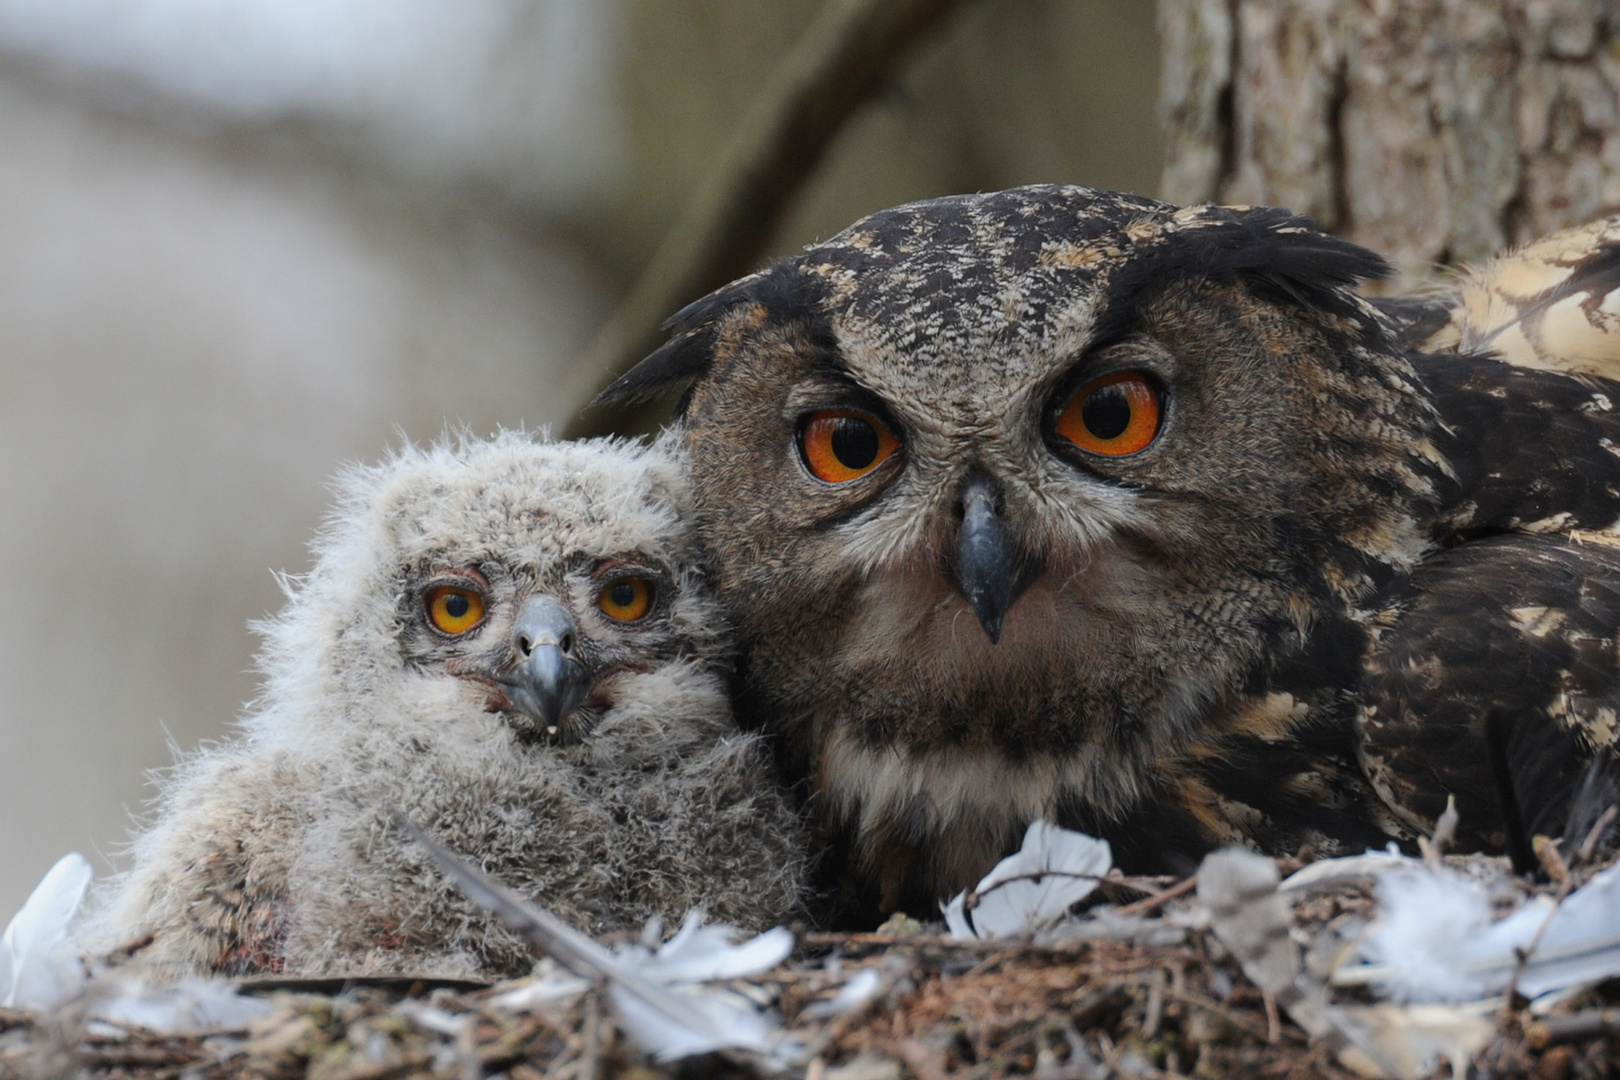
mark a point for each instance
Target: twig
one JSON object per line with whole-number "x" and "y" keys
{"x": 590, "y": 1060}
{"x": 1552, "y": 860}
{"x": 1273, "y": 1019}
{"x": 1154, "y": 1013}
{"x": 1181, "y": 888}
{"x": 1596, "y": 832}
{"x": 137, "y": 1057}
{"x": 1558, "y": 870}
{"x": 1238, "y": 1022}
{"x": 1434, "y": 846}
{"x": 409, "y": 1063}
{"x": 1591, "y": 1024}
{"x": 975, "y": 896}
{"x": 721, "y": 233}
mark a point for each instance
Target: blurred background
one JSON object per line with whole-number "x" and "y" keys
{"x": 244, "y": 241}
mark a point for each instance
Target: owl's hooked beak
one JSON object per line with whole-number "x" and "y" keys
{"x": 548, "y": 682}
{"x": 990, "y": 572}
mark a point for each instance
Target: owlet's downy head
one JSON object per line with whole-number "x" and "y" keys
{"x": 510, "y": 641}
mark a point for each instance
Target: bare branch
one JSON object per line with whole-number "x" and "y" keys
{"x": 721, "y": 233}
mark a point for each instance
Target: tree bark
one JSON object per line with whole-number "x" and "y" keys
{"x": 1435, "y": 132}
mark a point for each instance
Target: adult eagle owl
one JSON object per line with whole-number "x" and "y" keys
{"x": 506, "y": 639}
{"x": 1061, "y": 503}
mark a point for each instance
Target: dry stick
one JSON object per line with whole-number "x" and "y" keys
{"x": 1558, "y": 870}
{"x": 847, "y": 54}
{"x": 1273, "y": 1018}
{"x": 590, "y": 1062}
{"x": 1434, "y": 845}
{"x": 1591, "y": 1024}
{"x": 1181, "y": 888}
{"x": 1154, "y": 1013}
{"x": 1596, "y": 832}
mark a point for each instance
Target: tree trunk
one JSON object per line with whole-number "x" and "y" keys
{"x": 1432, "y": 131}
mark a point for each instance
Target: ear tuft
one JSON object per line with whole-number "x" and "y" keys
{"x": 687, "y": 354}
{"x": 1283, "y": 253}
{"x": 1275, "y": 252}
{"x": 785, "y": 293}
{"x": 678, "y": 361}
{"x": 681, "y": 359}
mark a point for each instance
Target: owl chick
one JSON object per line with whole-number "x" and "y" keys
{"x": 1059, "y": 503}
{"x": 508, "y": 641}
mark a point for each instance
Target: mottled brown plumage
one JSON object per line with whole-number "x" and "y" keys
{"x": 1301, "y": 612}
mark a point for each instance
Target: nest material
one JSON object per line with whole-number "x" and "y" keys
{"x": 1059, "y": 1010}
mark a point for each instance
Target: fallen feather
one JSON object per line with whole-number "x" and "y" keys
{"x": 1252, "y": 918}
{"x": 429, "y": 1018}
{"x": 1107, "y": 923}
{"x": 1581, "y": 944}
{"x": 1407, "y": 1041}
{"x": 670, "y": 1022}
{"x": 1347, "y": 868}
{"x": 861, "y": 988}
{"x": 703, "y": 952}
{"x": 550, "y": 984}
{"x": 37, "y": 970}
{"x": 1033, "y": 888}
{"x": 1435, "y": 939}
{"x": 729, "y": 1022}
{"x": 188, "y": 1007}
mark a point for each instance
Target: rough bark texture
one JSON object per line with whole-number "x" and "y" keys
{"x": 1433, "y": 131}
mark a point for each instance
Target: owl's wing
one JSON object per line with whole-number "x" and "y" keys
{"x": 1521, "y": 358}
{"x": 1552, "y": 305}
{"x": 1524, "y": 450}
{"x": 1497, "y": 680}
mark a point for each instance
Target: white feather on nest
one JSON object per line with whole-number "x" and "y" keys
{"x": 1435, "y": 939}
{"x": 1033, "y": 888}
{"x": 37, "y": 969}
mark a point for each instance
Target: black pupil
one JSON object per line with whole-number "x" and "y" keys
{"x": 854, "y": 442}
{"x": 456, "y": 605}
{"x": 623, "y": 594}
{"x": 1106, "y": 412}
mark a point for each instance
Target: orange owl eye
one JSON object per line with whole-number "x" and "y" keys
{"x": 1115, "y": 414}
{"x": 626, "y": 599}
{"x": 842, "y": 444}
{"x": 454, "y": 610}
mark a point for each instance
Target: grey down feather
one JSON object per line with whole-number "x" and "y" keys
{"x": 275, "y": 852}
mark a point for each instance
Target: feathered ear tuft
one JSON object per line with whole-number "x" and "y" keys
{"x": 685, "y": 356}
{"x": 679, "y": 360}
{"x": 1283, "y": 254}
{"x": 1276, "y": 252}
{"x": 785, "y": 294}
{"x": 1284, "y": 248}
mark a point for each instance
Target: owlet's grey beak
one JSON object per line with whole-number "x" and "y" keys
{"x": 548, "y": 682}
{"x": 988, "y": 568}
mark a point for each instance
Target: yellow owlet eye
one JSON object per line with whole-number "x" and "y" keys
{"x": 626, "y": 599}
{"x": 454, "y": 610}
{"x": 1114, "y": 415}
{"x": 843, "y": 444}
